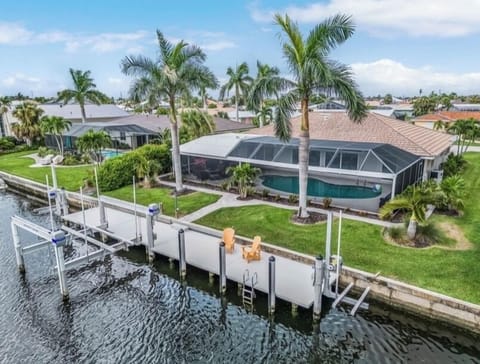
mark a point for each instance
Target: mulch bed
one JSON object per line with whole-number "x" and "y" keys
{"x": 314, "y": 218}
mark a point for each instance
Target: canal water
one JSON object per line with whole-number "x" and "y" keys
{"x": 122, "y": 310}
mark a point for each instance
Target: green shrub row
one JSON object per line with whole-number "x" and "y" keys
{"x": 117, "y": 172}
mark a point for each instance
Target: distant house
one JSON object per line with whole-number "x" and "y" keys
{"x": 448, "y": 117}
{"x": 465, "y": 107}
{"x": 244, "y": 116}
{"x": 124, "y": 136}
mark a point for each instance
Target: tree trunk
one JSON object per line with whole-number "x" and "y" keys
{"x": 59, "y": 145}
{"x": 236, "y": 103}
{"x": 303, "y": 154}
{"x": 177, "y": 167}
{"x": 84, "y": 116}
{"x": 412, "y": 228}
{"x": 205, "y": 105}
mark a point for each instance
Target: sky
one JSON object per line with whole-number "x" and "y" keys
{"x": 399, "y": 46}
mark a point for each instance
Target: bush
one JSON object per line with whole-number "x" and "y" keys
{"x": 293, "y": 199}
{"x": 162, "y": 111}
{"x": 454, "y": 164}
{"x": 224, "y": 186}
{"x": 70, "y": 160}
{"x": 277, "y": 198}
{"x": 6, "y": 145}
{"x": 212, "y": 106}
{"x": 396, "y": 233}
{"x": 327, "y": 202}
{"x": 265, "y": 193}
{"x": 429, "y": 234}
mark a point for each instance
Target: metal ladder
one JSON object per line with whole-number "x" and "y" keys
{"x": 248, "y": 293}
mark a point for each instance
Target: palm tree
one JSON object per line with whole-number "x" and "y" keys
{"x": 208, "y": 81}
{"x": 439, "y": 125}
{"x": 29, "y": 126}
{"x": 147, "y": 169}
{"x": 267, "y": 83}
{"x": 240, "y": 81}
{"x": 179, "y": 67}
{"x": 93, "y": 142}
{"x": 56, "y": 126}
{"x": 312, "y": 72}
{"x": 243, "y": 176}
{"x": 467, "y": 131}
{"x": 413, "y": 200}
{"x": 453, "y": 192}
{"x": 84, "y": 90}
{"x": 197, "y": 123}
{"x": 264, "y": 116}
{"x": 5, "y": 104}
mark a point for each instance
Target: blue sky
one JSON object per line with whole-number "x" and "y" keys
{"x": 399, "y": 46}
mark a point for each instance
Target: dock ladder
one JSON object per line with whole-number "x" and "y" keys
{"x": 248, "y": 293}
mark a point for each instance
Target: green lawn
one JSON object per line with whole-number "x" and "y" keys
{"x": 455, "y": 273}
{"x": 69, "y": 177}
{"x": 186, "y": 204}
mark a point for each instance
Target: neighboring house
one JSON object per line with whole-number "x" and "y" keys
{"x": 465, "y": 107}
{"x": 448, "y": 117}
{"x": 398, "y": 111}
{"x": 364, "y": 164}
{"x": 162, "y": 122}
{"x": 71, "y": 112}
{"x": 122, "y": 135}
{"x": 244, "y": 116}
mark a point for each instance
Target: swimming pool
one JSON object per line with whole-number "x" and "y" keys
{"x": 319, "y": 188}
{"x": 111, "y": 153}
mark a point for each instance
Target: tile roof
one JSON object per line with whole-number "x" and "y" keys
{"x": 374, "y": 129}
{"x": 449, "y": 116}
{"x": 72, "y": 111}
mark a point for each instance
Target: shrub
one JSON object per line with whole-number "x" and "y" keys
{"x": 212, "y": 106}
{"x": 429, "y": 234}
{"x": 277, "y": 198}
{"x": 293, "y": 199}
{"x": 70, "y": 160}
{"x": 265, "y": 193}
{"x": 454, "y": 164}
{"x": 396, "y": 233}
{"x": 162, "y": 111}
{"x": 42, "y": 152}
{"x": 327, "y": 202}
{"x": 5, "y": 144}
{"x": 224, "y": 185}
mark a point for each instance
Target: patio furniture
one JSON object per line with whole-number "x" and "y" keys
{"x": 252, "y": 252}
{"x": 229, "y": 239}
{"x": 46, "y": 160}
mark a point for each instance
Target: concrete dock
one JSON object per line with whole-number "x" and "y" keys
{"x": 294, "y": 280}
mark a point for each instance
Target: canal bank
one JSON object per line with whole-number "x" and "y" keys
{"x": 391, "y": 292}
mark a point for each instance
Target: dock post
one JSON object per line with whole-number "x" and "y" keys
{"x": 58, "y": 198}
{"x": 103, "y": 217}
{"x": 222, "y": 271}
{"x": 152, "y": 211}
{"x": 58, "y": 241}
{"x": 318, "y": 281}
{"x": 271, "y": 285}
{"x": 18, "y": 248}
{"x": 63, "y": 201}
{"x": 181, "y": 253}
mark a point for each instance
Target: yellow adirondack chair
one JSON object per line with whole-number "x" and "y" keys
{"x": 252, "y": 252}
{"x": 229, "y": 239}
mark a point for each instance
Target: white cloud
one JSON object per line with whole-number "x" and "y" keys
{"x": 388, "y": 76}
{"x": 218, "y": 46}
{"x": 28, "y": 84}
{"x": 16, "y": 34}
{"x": 439, "y": 18}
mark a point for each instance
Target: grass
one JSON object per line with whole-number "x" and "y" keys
{"x": 454, "y": 273}
{"x": 18, "y": 164}
{"x": 186, "y": 203}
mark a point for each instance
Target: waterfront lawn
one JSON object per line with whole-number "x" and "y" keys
{"x": 18, "y": 164}
{"x": 454, "y": 273}
{"x": 186, "y": 203}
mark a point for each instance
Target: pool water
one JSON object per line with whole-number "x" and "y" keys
{"x": 111, "y": 153}
{"x": 318, "y": 188}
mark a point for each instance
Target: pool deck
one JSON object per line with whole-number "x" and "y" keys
{"x": 294, "y": 280}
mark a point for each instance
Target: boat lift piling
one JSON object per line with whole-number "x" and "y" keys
{"x": 181, "y": 254}
{"x": 318, "y": 282}
{"x": 58, "y": 206}
{"x": 271, "y": 285}
{"x": 152, "y": 211}
{"x": 101, "y": 205}
{"x": 222, "y": 271}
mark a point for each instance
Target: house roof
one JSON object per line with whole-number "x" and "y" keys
{"x": 158, "y": 123}
{"x": 373, "y": 129}
{"x": 72, "y": 111}
{"x": 449, "y": 116}
{"x": 78, "y": 129}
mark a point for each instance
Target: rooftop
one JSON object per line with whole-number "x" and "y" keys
{"x": 449, "y": 116}
{"x": 374, "y": 128}
{"x": 72, "y": 111}
{"x": 79, "y": 129}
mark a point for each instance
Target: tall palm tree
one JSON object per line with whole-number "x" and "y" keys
{"x": 240, "y": 81}
{"x": 467, "y": 131}
{"x": 197, "y": 123}
{"x": 84, "y": 90}
{"x": 56, "y": 126}
{"x": 94, "y": 142}
{"x": 267, "y": 84}
{"x": 5, "y": 104}
{"x": 178, "y": 68}
{"x": 29, "y": 126}
{"x": 208, "y": 81}
{"x": 414, "y": 201}
{"x": 264, "y": 115}
{"x": 313, "y": 71}
{"x": 439, "y": 125}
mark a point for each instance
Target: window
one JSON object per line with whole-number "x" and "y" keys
{"x": 122, "y": 136}
{"x": 314, "y": 158}
{"x": 349, "y": 160}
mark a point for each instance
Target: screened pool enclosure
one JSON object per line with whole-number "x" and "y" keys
{"x": 334, "y": 162}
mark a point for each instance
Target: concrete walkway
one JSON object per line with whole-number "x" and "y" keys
{"x": 230, "y": 200}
